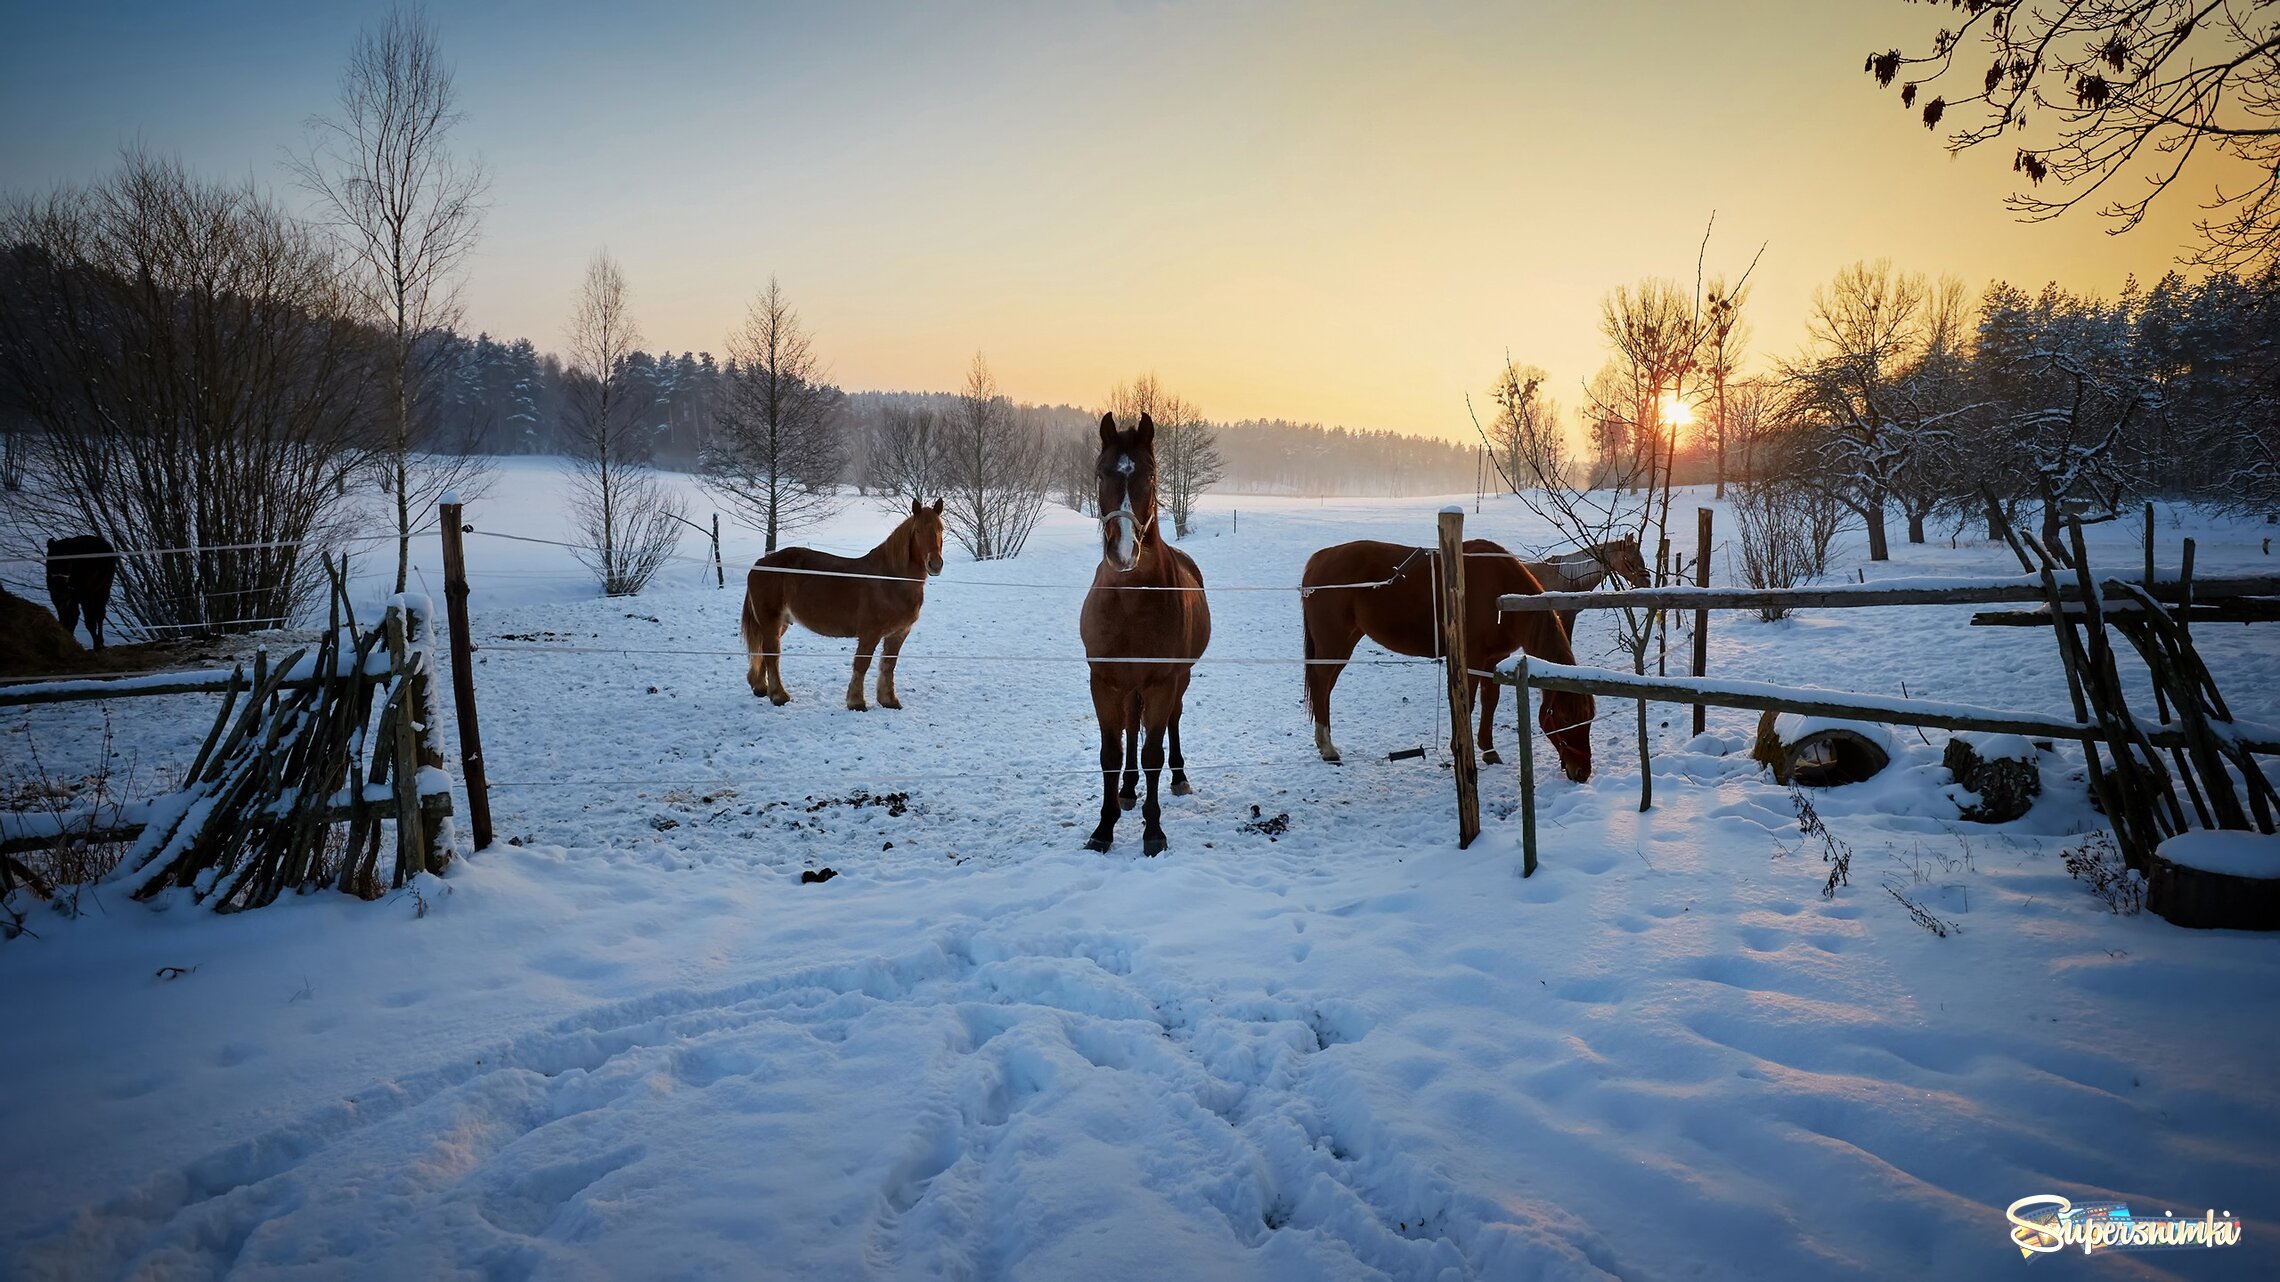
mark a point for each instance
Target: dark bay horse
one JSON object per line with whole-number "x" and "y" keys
{"x": 1401, "y": 616}
{"x": 1586, "y": 568}
{"x": 79, "y": 574}
{"x": 871, "y": 610}
{"x": 1146, "y": 603}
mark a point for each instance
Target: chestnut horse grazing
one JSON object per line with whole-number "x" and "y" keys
{"x": 869, "y": 609}
{"x": 1120, "y": 624}
{"x": 1401, "y": 615}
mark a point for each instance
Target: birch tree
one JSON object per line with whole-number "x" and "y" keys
{"x": 407, "y": 212}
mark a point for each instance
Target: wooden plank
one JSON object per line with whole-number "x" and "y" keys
{"x": 1701, "y": 617}
{"x": 2240, "y": 610}
{"x": 1830, "y": 703}
{"x": 463, "y": 668}
{"x": 434, "y": 806}
{"x": 1466, "y": 764}
{"x": 1864, "y": 596}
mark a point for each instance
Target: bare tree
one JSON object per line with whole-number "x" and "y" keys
{"x": 1724, "y": 336}
{"x": 1075, "y": 459}
{"x": 2136, "y": 88}
{"x": 998, "y": 473}
{"x": 910, "y": 455}
{"x": 1525, "y": 432}
{"x": 189, "y": 358}
{"x": 1187, "y": 449}
{"x": 1869, "y": 333}
{"x": 407, "y": 212}
{"x": 777, "y": 453}
{"x": 629, "y": 522}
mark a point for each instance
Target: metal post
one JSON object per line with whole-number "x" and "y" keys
{"x": 1460, "y": 677}
{"x": 463, "y": 674}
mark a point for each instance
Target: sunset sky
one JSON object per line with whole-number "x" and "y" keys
{"x": 1340, "y": 212}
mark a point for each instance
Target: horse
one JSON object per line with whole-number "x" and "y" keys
{"x": 1398, "y": 611}
{"x": 79, "y": 574}
{"x": 1586, "y": 568}
{"x": 880, "y": 602}
{"x": 1124, "y": 620}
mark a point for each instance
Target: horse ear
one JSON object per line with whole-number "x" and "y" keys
{"x": 1107, "y": 430}
{"x": 916, "y": 505}
{"x": 938, "y": 507}
{"x": 1147, "y": 430}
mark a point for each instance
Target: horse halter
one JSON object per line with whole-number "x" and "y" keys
{"x": 1135, "y": 528}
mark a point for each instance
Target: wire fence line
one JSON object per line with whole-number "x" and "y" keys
{"x": 271, "y": 545}
{"x": 937, "y": 657}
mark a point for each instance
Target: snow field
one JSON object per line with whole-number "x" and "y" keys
{"x": 635, "y": 1045}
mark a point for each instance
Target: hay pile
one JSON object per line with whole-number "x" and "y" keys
{"x": 32, "y": 642}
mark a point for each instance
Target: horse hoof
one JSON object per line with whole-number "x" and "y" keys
{"x": 779, "y": 699}
{"x": 1097, "y": 844}
{"x": 1126, "y": 800}
{"x": 1491, "y": 758}
{"x": 1333, "y": 758}
{"x": 1154, "y": 845}
{"x": 1182, "y": 788}
{"x": 856, "y": 705}
{"x": 895, "y": 704}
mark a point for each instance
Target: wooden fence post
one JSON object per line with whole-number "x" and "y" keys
{"x": 1460, "y": 677}
{"x": 1701, "y": 617}
{"x": 419, "y": 844}
{"x": 1527, "y": 774}
{"x": 463, "y": 673}
{"x": 720, "y": 577}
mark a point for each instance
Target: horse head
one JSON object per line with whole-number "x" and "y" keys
{"x": 1127, "y": 472}
{"x": 925, "y": 526}
{"x": 1566, "y": 719}
{"x": 1621, "y": 559}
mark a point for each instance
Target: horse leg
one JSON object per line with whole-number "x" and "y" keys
{"x": 774, "y": 659}
{"x": 1158, "y": 716}
{"x": 1109, "y": 706}
{"x": 894, "y": 644}
{"x": 1128, "y": 793}
{"x": 1180, "y": 785}
{"x": 66, "y": 608}
{"x": 1485, "y": 693}
{"x": 865, "y": 643}
{"x": 1326, "y": 654}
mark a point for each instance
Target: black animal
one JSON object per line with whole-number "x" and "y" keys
{"x": 79, "y": 574}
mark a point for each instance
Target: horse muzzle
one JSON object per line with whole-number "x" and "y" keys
{"x": 933, "y": 565}
{"x": 1120, "y": 540}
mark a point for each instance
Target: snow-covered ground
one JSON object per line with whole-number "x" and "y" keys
{"x": 633, "y": 1044}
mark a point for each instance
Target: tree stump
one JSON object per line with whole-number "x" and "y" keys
{"x": 1819, "y": 752}
{"x": 2001, "y": 769}
{"x": 2212, "y": 879}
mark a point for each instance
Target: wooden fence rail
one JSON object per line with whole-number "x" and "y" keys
{"x": 1842, "y": 596}
{"x": 1536, "y": 674}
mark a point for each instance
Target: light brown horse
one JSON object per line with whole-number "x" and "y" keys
{"x": 1586, "y": 568}
{"x": 883, "y": 607}
{"x": 1401, "y": 615}
{"x": 1146, "y": 603}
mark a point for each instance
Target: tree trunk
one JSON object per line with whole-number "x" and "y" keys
{"x": 1879, "y": 549}
{"x": 1915, "y": 526}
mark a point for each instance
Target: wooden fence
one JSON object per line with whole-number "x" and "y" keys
{"x": 297, "y": 754}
